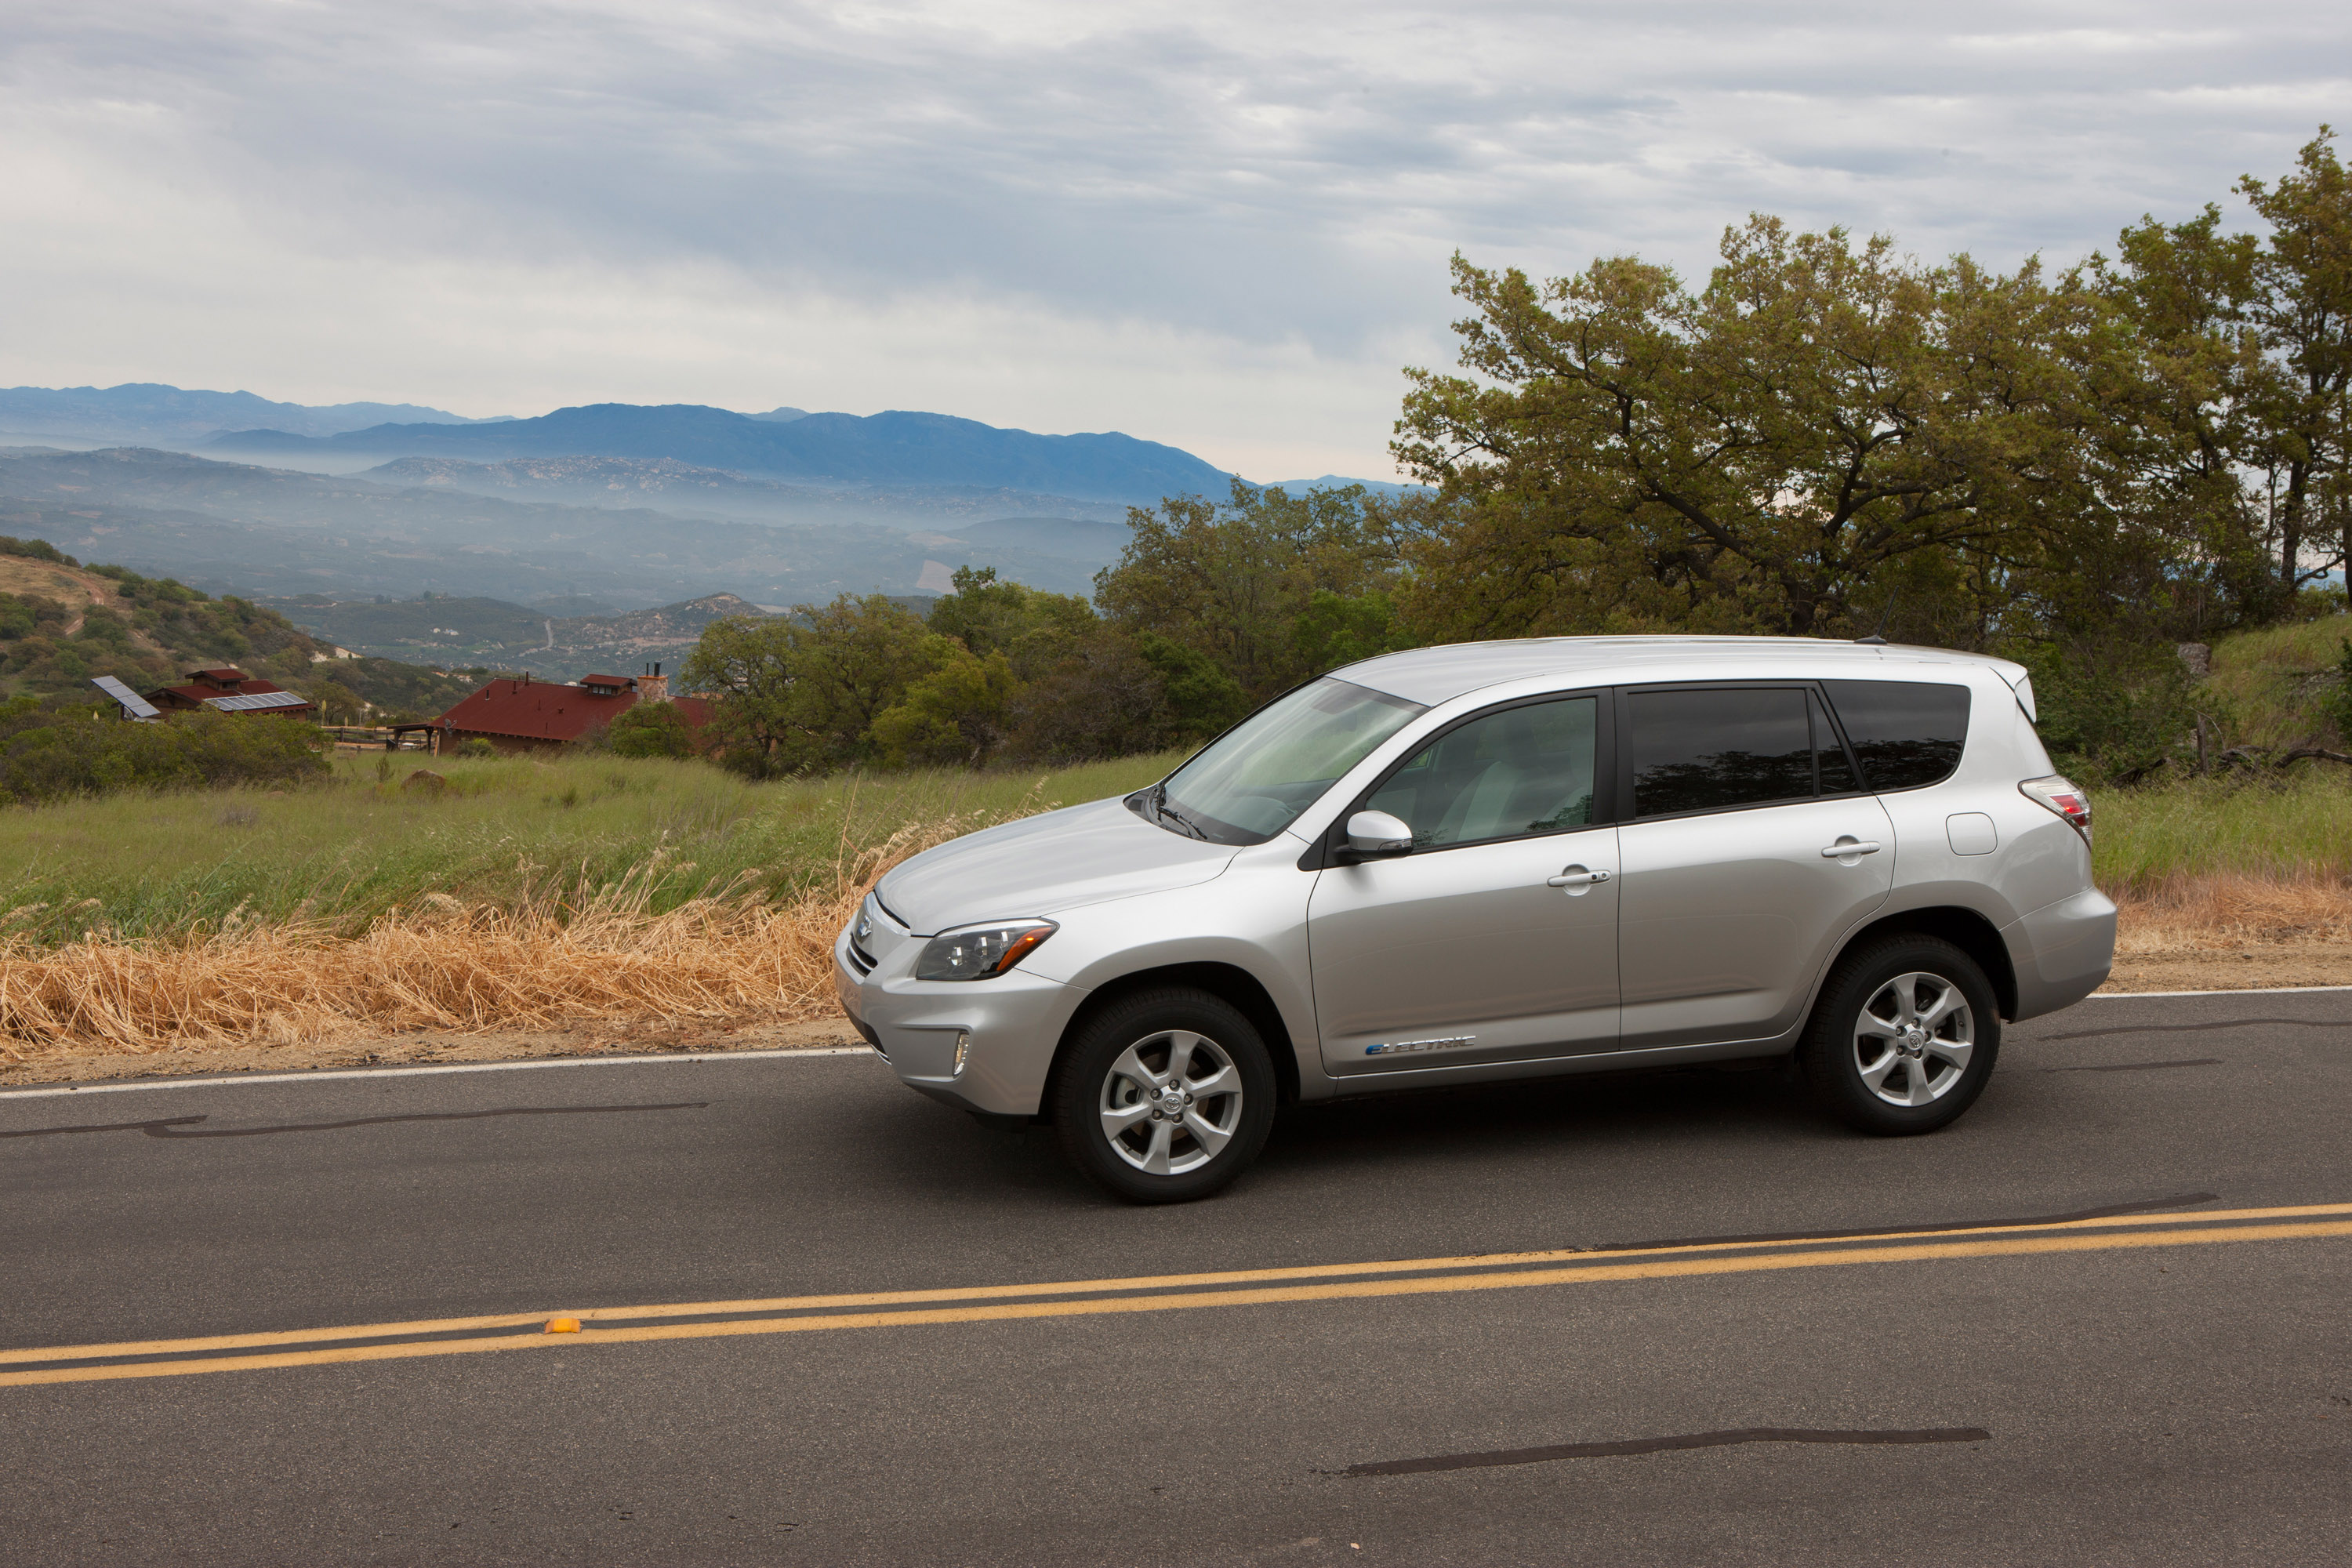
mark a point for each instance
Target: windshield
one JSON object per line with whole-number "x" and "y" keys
{"x": 1253, "y": 782}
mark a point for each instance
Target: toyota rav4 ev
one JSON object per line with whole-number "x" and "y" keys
{"x": 1500, "y": 860}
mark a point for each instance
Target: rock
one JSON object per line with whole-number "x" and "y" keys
{"x": 2196, "y": 657}
{"x": 426, "y": 780}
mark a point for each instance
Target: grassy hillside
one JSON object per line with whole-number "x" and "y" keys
{"x": 2271, "y": 685}
{"x": 61, "y": 623}
{"x": 503, "y": 833}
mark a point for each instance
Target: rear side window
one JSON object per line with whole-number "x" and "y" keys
{"x": 1704, "y": 751}
{"x": 1905, "y": 733}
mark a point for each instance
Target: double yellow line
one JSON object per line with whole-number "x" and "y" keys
{"x": 1153, "y": 1293}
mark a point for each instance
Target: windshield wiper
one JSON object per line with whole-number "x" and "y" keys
{"x": 1164, "y": 812}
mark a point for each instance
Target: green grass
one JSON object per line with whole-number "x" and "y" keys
{"x": 2292, "y": 829}
{"x": 354, "y": 847}
{"x": 2271, "y": 683}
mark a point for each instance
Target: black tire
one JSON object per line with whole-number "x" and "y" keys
{"x": 1839, "y": 1058}
{"x": 1151, "y": 1024}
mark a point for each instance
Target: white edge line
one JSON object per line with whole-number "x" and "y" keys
{"x": 760, "y": 1056}
{"x": 438, "y": 1067}
{"x": 2245, "y": 991}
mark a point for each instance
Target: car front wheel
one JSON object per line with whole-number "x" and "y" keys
{"x": 1165, "y": 1096}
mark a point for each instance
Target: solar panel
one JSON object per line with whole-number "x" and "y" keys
{"x": 249, "y": 701}
{"x": 133, "y": 705}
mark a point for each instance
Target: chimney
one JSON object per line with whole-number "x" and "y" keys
{"x": 653, "y": 686}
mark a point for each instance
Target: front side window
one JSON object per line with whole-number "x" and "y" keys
{"x": 1507, "y": 774}
{"x": 1253, "y": 782}
{"x": 1905, "y": 733}
{"x": 1705, "y": 751}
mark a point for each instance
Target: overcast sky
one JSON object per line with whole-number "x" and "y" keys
{"x": 1220, "y": 225}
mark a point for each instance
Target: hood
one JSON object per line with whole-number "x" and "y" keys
{"x": 1040, "y": 865}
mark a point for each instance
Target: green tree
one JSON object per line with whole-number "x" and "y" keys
{"x": 858, "y": 657}
{"x": 801, "y": 692}
{"x": 1230, "y": 581}
{"x": 957, "y": 716}
{"x": 1750, "y": 456}
{"x": 991, "y": 616}
{"x": 337, "y": 704}
{"x": 2301, "y": 309}
{"x": 1333, "y": 630}
{"x": 1199, "y": 698}
{"x": 2170, "y": 375}
{"x": 748, "y": 664}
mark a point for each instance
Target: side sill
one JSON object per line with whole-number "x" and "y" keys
{"x": 1570, "y": 1066}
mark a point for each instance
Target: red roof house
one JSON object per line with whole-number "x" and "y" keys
{"x": 520, "y": 714}
{"x": 230, "y": 692}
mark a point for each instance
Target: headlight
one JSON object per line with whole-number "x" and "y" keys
{"x": 982, "y": 951}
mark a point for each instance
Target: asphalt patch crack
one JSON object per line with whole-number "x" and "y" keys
{"x": 1662, "y": 1445}
{"x": 2111, "y": 1211}
{"x": 169, "y": 1127}
{"x": 2199, "y": 1028}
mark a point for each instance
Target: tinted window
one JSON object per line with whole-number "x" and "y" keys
{"x": 1905, "y": 733}
{"x": 1837, "y": 772}
{"x": 1700, "y": 750}
{"x": 1517, "y": 771}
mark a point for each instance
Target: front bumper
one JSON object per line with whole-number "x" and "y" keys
{"x": 1012, "y": 1025}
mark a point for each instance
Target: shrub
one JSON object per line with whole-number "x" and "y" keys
{"x": 55, "y": 749}
{"x": 36, "y": 550}
{"x": 1102, "y": 700}
{"x": 650, "y": 729}
{"x": 2339, "y": 702}
{"x": 477, "y": 746}
{"x": 2112, "y": 711}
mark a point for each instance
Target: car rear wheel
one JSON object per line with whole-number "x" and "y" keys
{"x": 1165, "y": 1096}
{"x": 1903, "y": 1036}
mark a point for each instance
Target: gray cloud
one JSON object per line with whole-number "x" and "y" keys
{"x": 1222, "y": 181}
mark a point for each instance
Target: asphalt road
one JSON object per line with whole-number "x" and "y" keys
{"x": 2075, "y": 1394}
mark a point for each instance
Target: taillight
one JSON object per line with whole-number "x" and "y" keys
{"x": 2063, "y": 797}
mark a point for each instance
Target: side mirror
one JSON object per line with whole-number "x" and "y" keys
{"x": 1376, "y": 833}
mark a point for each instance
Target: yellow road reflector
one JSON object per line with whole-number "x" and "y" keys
{"x": 562, "y": 1326}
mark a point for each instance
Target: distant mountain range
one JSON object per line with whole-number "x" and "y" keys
{"x": 146, "y": 412}
{"x": 615, "y": 506}
{"x": 232, "y": 527}
{"x": 894, "y": 448}
{"x": 787, "y": 464}
{"x": 689, "y": 488}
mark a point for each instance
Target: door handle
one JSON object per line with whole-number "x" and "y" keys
{"x": 1846, "y": 847}
{"x": 1576, "y": 877}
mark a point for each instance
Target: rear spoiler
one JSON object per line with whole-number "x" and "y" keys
{"x": 2022, "y": 684}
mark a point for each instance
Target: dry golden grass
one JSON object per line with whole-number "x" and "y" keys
{"x": 556, "y": 958}
{"x": 2232, "y": 910}
{"x": 564, "y": 958}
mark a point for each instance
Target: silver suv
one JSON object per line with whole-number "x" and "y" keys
{"x": 1499, "y": 860}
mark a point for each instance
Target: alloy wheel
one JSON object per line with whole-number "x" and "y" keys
{"x": 1171, "y": 1102}
{"x": 1913, "y": 1040}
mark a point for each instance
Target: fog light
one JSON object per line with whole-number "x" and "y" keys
{"x": 963, "y": 1049}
